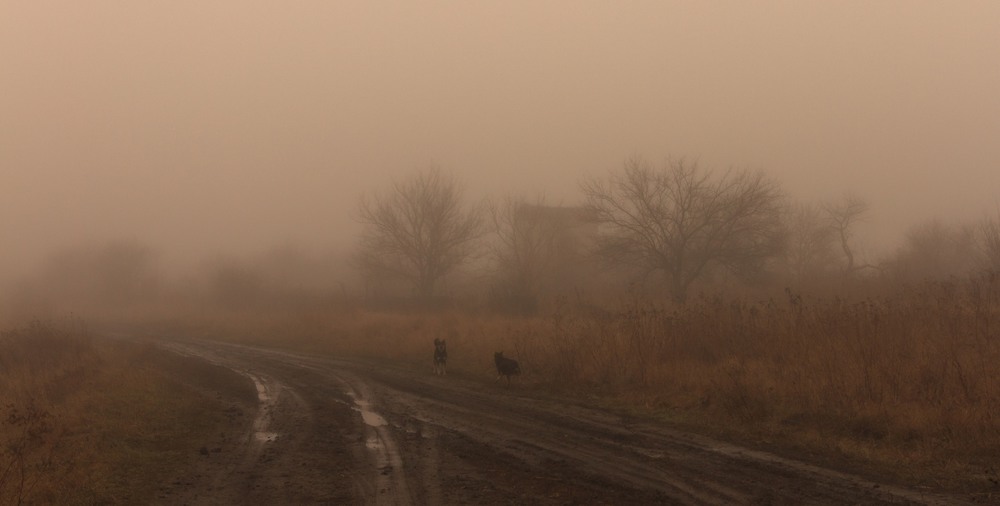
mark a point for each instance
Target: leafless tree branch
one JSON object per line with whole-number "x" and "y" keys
{"x": 682, "y": 221}
{"x": 418, "y": 230}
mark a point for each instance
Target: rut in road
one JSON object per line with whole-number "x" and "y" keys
{"x": 419, "y": 438}
{"x": 374, "y": 473}
{"x": 684, "y": 468}
{"x": 390, "y": 484}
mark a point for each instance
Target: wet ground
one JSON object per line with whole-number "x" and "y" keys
{"x": 332, "y": 431}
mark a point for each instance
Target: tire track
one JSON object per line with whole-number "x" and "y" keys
{"x": 421, "y": 439}
{"x": 383, "y": 481}
{"x": 391, "y": 487}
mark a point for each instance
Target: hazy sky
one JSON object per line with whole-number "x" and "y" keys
{"x": 205, "y": 126}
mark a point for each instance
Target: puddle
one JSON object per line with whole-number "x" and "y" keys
{"x": 371, "y": 418}
{"x": 265, "y": 437}
{"x": 653, "y": 454}
{"x": 263, "y": 420}
{"x": 390, "y": 481}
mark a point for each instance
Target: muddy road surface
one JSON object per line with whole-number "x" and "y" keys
{"x": 332, "y": 431}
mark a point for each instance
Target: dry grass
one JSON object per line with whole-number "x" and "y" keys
{"x": 88, "y": 421}
{"x": 907, "y": 385}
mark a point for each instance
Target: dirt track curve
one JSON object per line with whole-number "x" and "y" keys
{"x": 331, "y": 431}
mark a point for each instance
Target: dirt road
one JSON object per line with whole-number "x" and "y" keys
{"x": 331, "y": 431}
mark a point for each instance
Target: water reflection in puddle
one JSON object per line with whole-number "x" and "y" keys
{"x": 266, "y": 398}
{"x": 371, "y": 418}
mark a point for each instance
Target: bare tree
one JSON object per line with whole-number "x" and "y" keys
{"x": 989, "y": 242}
{"x": 418, "y": 230}
{"x": 522, "y": 250}
{"x": 121, "y": 272}
{"x": 538, "y": 248}
{"x": 934, "y": 250}
{"x": 844, "y": 215}
{"x": 234, "y": 284}
{"x": 683, "y": 222}
{"x": 810, "y": 251}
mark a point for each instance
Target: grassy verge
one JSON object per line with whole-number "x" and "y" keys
{"x": 88, "y": 421}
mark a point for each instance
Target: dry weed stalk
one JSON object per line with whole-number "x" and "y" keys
{"x": 913, "y": 373}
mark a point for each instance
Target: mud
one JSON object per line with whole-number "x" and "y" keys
{"x": 336, "y": 431}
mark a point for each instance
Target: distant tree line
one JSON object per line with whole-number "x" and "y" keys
{"x": 667, "y": 229}
{"x": 664, "y": 231}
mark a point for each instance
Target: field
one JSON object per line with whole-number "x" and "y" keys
{"x": 904, "y": 387}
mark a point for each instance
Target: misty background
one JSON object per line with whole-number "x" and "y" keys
{"x": 204, "y": 130}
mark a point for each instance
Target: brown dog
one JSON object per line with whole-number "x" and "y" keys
{"x": 505, "y": 366}
{"x": 440, "y": 357}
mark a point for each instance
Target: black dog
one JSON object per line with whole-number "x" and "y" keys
{"x": 440, "y": 357}
{"x": 505, "y": 366}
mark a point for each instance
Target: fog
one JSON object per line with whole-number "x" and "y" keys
{"x": 232, "y": 127}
